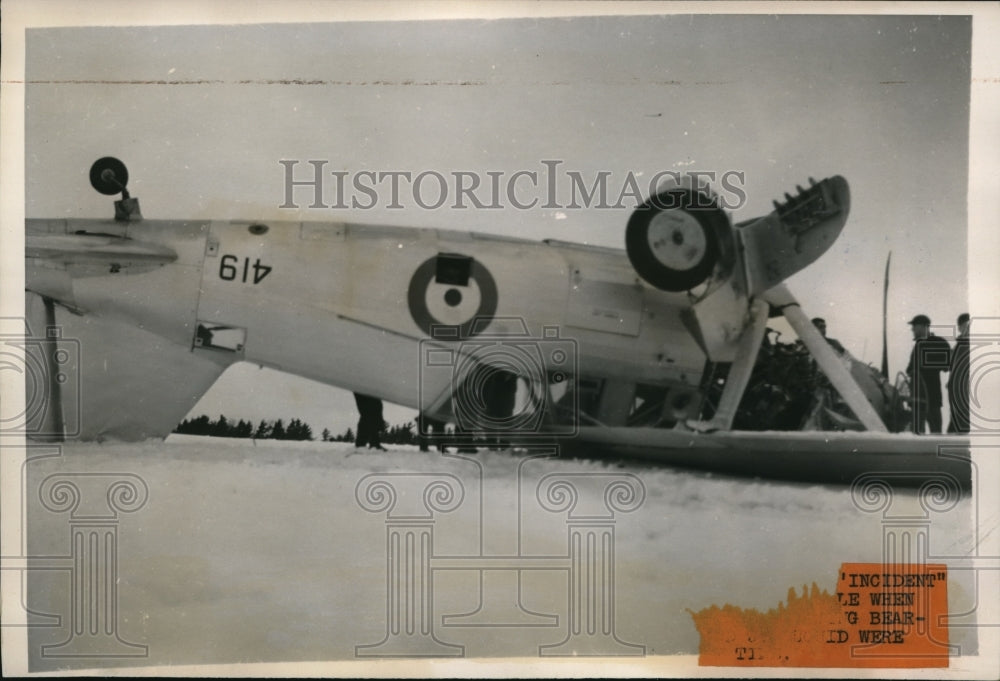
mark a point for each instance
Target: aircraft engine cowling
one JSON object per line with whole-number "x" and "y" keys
{"x": 675, "y": 239}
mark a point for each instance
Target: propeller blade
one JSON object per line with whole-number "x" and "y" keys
{"x": 885, "y": 313}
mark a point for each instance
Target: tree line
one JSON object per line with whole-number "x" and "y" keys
{"x": 265, "y": 430}
{"x": 295, "y": 429}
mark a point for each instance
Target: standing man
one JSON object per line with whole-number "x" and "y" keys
{"x": 499, "y": 396}
{"x": 931, "y": 355}
{"x": 370, "y": 421}
{"x": 958, "y": 379}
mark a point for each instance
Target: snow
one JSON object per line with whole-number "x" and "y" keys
{"x": 260, "y": 551}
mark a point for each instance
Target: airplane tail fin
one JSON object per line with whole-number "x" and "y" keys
{"x": 94, "y": 379}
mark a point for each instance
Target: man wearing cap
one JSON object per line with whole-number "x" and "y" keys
{"x": 958, "y": 378}
{"x": 820, "y": 325}
{"x": 931, "y": 355}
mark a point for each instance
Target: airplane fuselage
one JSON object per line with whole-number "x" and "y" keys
{"x": 364, "y": 307}
{"x": 662, "y": 338}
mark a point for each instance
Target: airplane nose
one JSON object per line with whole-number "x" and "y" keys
{"x": 795, "y": 234}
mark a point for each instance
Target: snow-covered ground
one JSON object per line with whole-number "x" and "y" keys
{"x": 247, "y": 552}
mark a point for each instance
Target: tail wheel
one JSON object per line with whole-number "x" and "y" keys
{"x": 672, "y": 239}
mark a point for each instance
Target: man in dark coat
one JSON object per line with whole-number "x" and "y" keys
{"x": 931, "y": 355}
{"x": 370, "y": 423}
{"x": 958, "y": 379}
{"x": 500, "y": 397}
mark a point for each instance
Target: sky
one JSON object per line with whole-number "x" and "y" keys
{"x": 202, "y": 115}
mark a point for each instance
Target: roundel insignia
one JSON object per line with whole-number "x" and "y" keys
{"x": 452, "y": 296}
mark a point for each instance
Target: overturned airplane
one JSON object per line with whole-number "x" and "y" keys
{"x": 658, "y": 351}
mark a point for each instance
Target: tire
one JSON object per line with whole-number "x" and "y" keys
{"x": 115, "y": 180}
{"x": 672, "y": 239}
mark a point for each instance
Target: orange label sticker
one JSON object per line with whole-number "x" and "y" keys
{"x": 879, "y": 616}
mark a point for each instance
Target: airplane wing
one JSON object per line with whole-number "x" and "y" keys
{"x": 833, "y": 458}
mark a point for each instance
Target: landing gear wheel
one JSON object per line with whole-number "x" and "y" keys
{"x": 672, "y": 239}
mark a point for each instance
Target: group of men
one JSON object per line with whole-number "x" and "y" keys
{"x": 486, "y": 402}
{"x": 497, "y": 399}
{"x": 931, "y": 356}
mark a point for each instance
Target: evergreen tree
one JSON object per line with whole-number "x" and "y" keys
{"x": 201, "y": 425}
{"x": 197, "y": 426}
{"x": 244, "y": 429}
{"x": 400, "y": 434}
{"x": 297, "y": 430}
{"x": 220, "y": 428}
